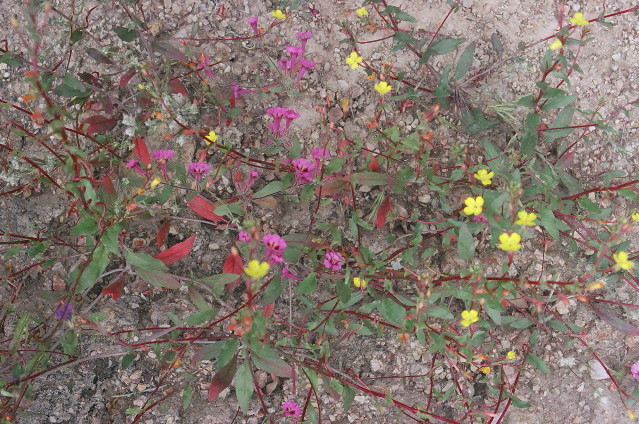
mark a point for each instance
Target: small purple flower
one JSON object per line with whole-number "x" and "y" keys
{"x": 198, "y": 169}
{"x": 634, "y": 370}
{"x": 204, "y": 64}
{"x": 480, "y": 218}
{"x": 294, "y": 51}
{"x": 303, "y": 37}
{"x": 277, "y": 113}
{"x": 135, "y": 164}
{"x": 275, "y": 248}
{"x": 291, "y": 409}
{"x": 65, "y": 311}
{"x": 305, "y": 65}
{"x": 162, "y": 156}
{"x": 304, "y": 170}
{"x": 243, "y": 236}
{"x": 252, "y": 21}
{"x": 238, "y": 91}
{"x": 290, "y": 114}
{"x": 286, "y": 273}
{"x": 333, "y": 261}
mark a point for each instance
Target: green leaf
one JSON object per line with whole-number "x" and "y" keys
{"x": 370, "y": 178}
{"x": 465, "y": 244}
{"x": 521, "y": 323}
{"x": 343, "y": 288}
{"x": 439, "y": 312}
{"x": 348, "y": 396}
{"x": 558, "y": 101}
{"x": 157, "y": 278}
{"x": 70, "y": 343}
{"x": 110, "y": 238}
{"x": 537, "y": 362}
{"x": 72, "y": 87}
{"x": 18, "y": 332}
{"x": 76, "y": 35}
{"x": 244, "y": 386}
{"x": 265, "y": 358}
{"x": 219, "y": 281}
{"x": 530, "y": 138}
{"x": 86, "y": 227}
{"x": 202, "y": 316}
{"x": 229, "y": 209}
{"x": 142, "y": 260}
{"x": 270, "y": 188}
{"x": 227, "y": 352}
{"x": 445, "y": 45}
{"x": 308, "y": 284}
{"x": 187, "y": 395}
{"x": 550, "y": 222}
{"x": 125, "y": 34}
{"x": 11, "y": 59}
{"x": 273, "y": 290}
{"x": 99, "y": 262}
{"x": 392, "y": 312}
{"x": 465, "y": 62}
{"x": 518, "y": 403}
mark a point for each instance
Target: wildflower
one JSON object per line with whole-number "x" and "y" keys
{"x": 473, "y": 206}
{"x": 557, "y": 44}
{"x": 278, "y": 14}
{"x": 525, "y": 218}
{"x": 361, "y": 12}
{"x": 359, "y": 282}
{"x": 354, "y": 59}
{"x": 621, "y": 260}
{"x": 252, "y": 21}
{"x": 294, "y": 51}
{"x": 511, "y": 355}
{"x": 469, "y": 317}
{"x": 509, "y": 243}
{"x": 480, "y": 218}
{"x": 277, "y": 113}
{"x": 155, "y": 182}
{"x": 485, "y": 370}
{"x": 256, "y": 269}
{"x": 162, "y": 156}
{"x": 286, "y": 273}
{"x": 197, "y": 169}
{"x": 275, "y": 248}
{"x": 303, "y": 37}
{"x": 135, "y": 164}
{"x": 631, "y": 414}
{"x": 484, "y": 176}
{"x": 579, "y": 20}
{"x": 243, "y": 236}
{"x": 634, "y": 370}
{"x": 304, "y": 170}
{"x": 382, "y": 88}
{"x": 238, "y": 91}
{"x": 289, "y": 114}
{"x": 205, "y": 64}
{"x": 333, "y": 261}
{"x": 291, "y": 409}
{"x": 305, "y": 65}
{"x": 210, "y": 138}
{"x": 65, "y": 311}
{"x": 635, "y": 216}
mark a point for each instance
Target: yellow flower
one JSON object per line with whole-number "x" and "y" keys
{"x": 485, "y": 370}
{"x": 382, "y": 87}
{"x": 469, "y": 317}
{"x": 473, "y": 206}
{"x": 361, "y": 12}
{"x": 211, "y": 137}
{"x": 484, "y": 176}
{"x": 354, "y": 60}
{"x": 635, "y": 216}
{"x": 579, "y": 19}
{"x": 509, "y": 243}
{"x": 525, "y": 218}
{"x": 359, "y": 282}
{"x": 278, "y": 14}
{"x": 557, "y": 44}
{"x": 256, "y": 269}
{"x": 511, "y": 355}
{"x": 631, "y": 414}
{"x": 621, "y": 259}
{"x": 155, "y": 182}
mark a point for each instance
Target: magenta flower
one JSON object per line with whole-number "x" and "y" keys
{"x": 305, "y": 65}
{"x": 290, "y": 114}
{"x": 238, "y": 91}
{"x": 204, "y": 64}
{"x": 303, "y": 37}
{"x": 276, "y": 246}
{"x": 162, "y": 156}
{"x": 277, "y": 113}
{"x": 197, "y": 169}
{"x": 291, "y": 409}
{"x": 304, "y": 170}
{"x": 252, "y": 21}
{"x": 243, "y": 236}
{"x": 333, "y": 261}
{"x": 135, "y": 164}
{"x": 480, "y": 218}
{"x": 286, "y": 273}
{"x": 65, "y": 311}
{"x": 634, "y": 370}
{"x": 294, "y": 51}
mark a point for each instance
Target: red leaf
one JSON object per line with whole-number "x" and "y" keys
{"x": 115, "y": 289}
{"x": 176, "y": 252}
{"x": 204, "y": 208}
{"x": 382, "y": 212}
{"x": 268, "y": 309}
{"x": 163, "y": 232}
{"x": 127, "y": 77}
{"x": 141, "y": 151}
{"x": 107, "y": 186}
{"x": 176, "y": 87}
{"x": 222, "y": 379}
{"x": 333, "y": 187}
{"x": 233, "y": 265}
{"x": 98, "y": 124}
{"x": 373, "y": 165}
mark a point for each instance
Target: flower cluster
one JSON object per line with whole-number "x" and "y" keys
{"x": 296, "y": 61}
{"x": 277, "y": 113}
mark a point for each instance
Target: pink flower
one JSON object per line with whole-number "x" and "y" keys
{"x": 290, "y": 114}
{"x": 252, "y": 21}
{"x": 197, "y": 169}
{"x": 238, "y": 91}
{"x": 135, "y": 164}
{"x": 480, "y": 218}
{"x": 277, "y": 113}
{"x": 305, "y": 65}
{"x": 294, "y": 51}
{"x": 243, "y": 236}
{"x": 318, "y": 155}
{"x": 276, "y": 246}
{"x": 304, "y": 170}
{"x": 162, "y": 156}
{"x": 286, "y": 273}
{"x": 204, "y": 64}
{"x": 634, "y": 370}
{"x": 333, "y": 261}
{"x": 303, "y": 37}
{"x": 291, "y": 409}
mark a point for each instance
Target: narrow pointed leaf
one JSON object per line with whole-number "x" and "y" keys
{"x": 244, "y": 386}
{"x": 176, "y": 252}
{"x": 382, "y": 212}
{"x": 615, "y": 321}
{"x": 222, "y": 379}
{"x": 141, "y": 151}
{"x": 204, "y": 208}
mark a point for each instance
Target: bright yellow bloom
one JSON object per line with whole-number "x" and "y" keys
{"x": 631, "y": 414}
{"x": 256, "y": 269}
{"x": 382, "y": 87}
{"x": 579, "y": 19}
{"x": 485, "y": 370}
{"x": 596, "y": 285}
{"x": 211, "y": 137}
{"x": 354, "y": 60}
{"x": 635, "y": 216}
{"x": 155, "y": 182}
{"x": 359, "y": 282}
{"x": 557, "y": 44}
{"x": 621, "y": 259}
{"x": 469, "y": 317}
{"x": 361, "y": 12}
{"x": 484, "y": 176}
{"x": 473, "y": 206}
{"x": 511, "y": 355}
{"x": 509, "y": 243}
{"x": 525, "y": 218}
{"x": 278, "y": 14}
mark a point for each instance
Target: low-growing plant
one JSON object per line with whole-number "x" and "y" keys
{"x": 401, "y": 238}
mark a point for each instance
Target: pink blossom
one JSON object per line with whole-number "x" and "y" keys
{"x": 162, "y": 156}
{"x": 303, "y": 37}
{"x": 286, "y": 273}
{"x": 294, "y": 51}
{"x": 290, "y": 114}
{"x": 276, "y": 246}
{"x": 304, "y": 170}
{"x": 204, "y": 64}
{"x": 277, "y": 113}
{"x": 333, "y": 261}
{"x": 318, "y": 155}
{"x": 243, "y": 236}
{"x": 480, "y": 218}
{"x": 291, "y": 409}
{"x": 634, "y": 370}
{"x": 238, "y": 91}
{"x": 135, "y": 164}
{"x": 197, "y": 169}
{"x": 252, "y": 21}
{"x": 305, "y": 65}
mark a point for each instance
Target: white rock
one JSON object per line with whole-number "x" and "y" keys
{"x": 597, "y": 371}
